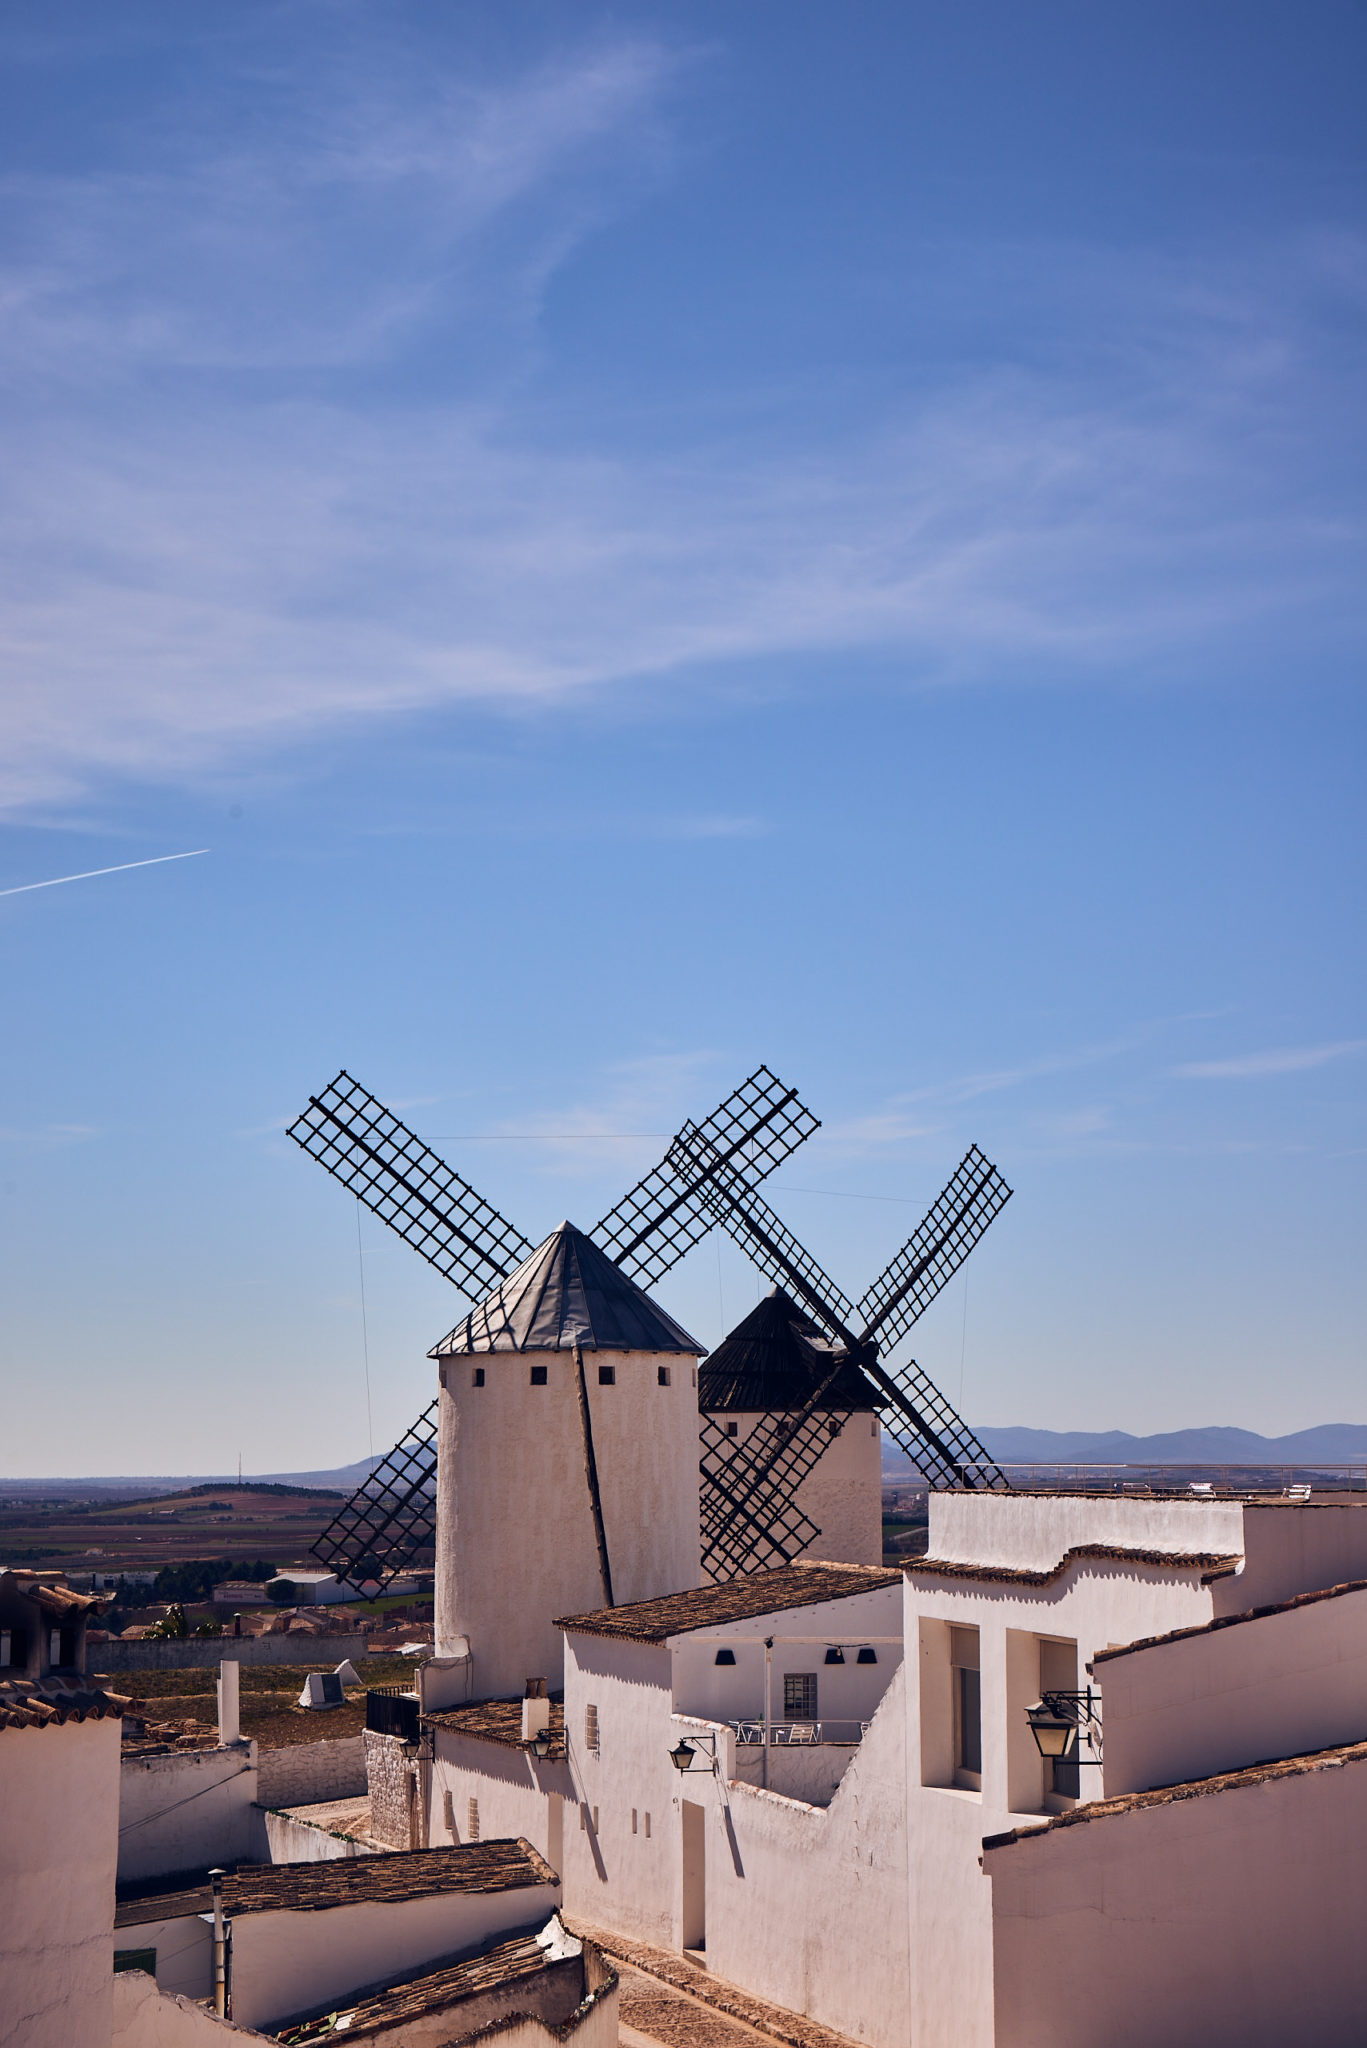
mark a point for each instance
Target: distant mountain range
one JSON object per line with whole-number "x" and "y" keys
{"x": 340, "y": 1479}
{"x": 1331, "y": 1443}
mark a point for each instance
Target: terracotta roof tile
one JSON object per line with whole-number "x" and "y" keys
{"x": 678, "y": 1614}
{"x": 50, "y": 1703}
{"x": 1211, "y": 1563}
{"x": 1196, "y": 1788}
{"x": 1177, "y": 1635}
{"x": 499, "y": 1866}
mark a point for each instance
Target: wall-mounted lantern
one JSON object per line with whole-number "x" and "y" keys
{"x": 1058, "y": 1720}
{"x": 540, "y": 1744}
{"x": 835, "y": 1655}
{"x": 684, "y": 1751}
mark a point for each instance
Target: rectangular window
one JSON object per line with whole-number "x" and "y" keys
{"x": 833, "y": 1428}
{"x": 662, "y": 1375}
{"x": 799, "y": 1695}
{"x": 591, "y": 1727}
{"x": 968, "y": 1723}
{"x": 477, "y": 1376}
{"x": 472, "y": 1820}
{"x": 633, "y": 1820}
{"x": 607, "y": 1375}
{"x": 733, "y": 1429}
{"x": 538, "y": 1375}
{"x": 448, "y": 1813}
{"x": 647, "y": 1827}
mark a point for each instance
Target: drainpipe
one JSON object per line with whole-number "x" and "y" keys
{"x": 764, "y": 1757}
{"x": 220, "y": 1948}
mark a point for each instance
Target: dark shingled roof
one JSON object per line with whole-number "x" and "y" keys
{"x": 678, "y": 1614}
{"x": 1211, "y": 1564}
{"x": 498, "y": 1721}
{"x": 776, "y": 1359}
{"x": 567, "y": 1292}
{"x": 516, "y": 1962}
{"x": 50, "y": 1703}
{"x": 506, "y": 1866}
{"x": 1195, "y": 1788}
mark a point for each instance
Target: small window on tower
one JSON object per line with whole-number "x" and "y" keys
{"x": 733, "y": 1429}
{"x": 477, "y": 1376}
{"x": 834, "y": 1428}
{"x": 607, "y": 1375}
{"x": 538, "y": 1375}
{"x": 662, "y": 1375}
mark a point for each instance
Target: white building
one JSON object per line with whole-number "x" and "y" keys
{"x": 567, "y": 1465}
{"x": 1215, "y": 1892}
{"x": 59, "y": 1829}
{"x": 852, "y": 1887}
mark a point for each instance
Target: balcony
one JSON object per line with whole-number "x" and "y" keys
{"x": 392, "y": 1710}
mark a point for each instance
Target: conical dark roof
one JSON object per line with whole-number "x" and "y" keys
{"x": 777, "y": 1358}
{"x": 568, "y": 1292}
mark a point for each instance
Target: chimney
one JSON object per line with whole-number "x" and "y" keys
{"x": 228, "y": 1728}
{"x": 536, "y": 1709}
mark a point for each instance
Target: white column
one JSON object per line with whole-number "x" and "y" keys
{"x": 228, "y": 1724}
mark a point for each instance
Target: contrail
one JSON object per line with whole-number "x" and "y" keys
{"x": 90, "y": 873}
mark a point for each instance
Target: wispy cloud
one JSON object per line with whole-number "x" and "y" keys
{"x": 211, "y": 565}
{"x": 1253, "y": 1066}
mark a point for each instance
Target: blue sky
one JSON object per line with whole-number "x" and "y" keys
{"x": 654, "y": 539}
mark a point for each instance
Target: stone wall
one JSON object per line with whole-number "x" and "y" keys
{"x": 202, "y": 1653}
{"x": 306, "y": 1773}
{"x": 389, "y": 1776}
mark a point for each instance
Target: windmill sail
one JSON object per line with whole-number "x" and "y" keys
{"x": 409, "y": 1187}
{"x": 391, "y": 1520}
{"x": 915, "y": 1414}
{"x": 668, "y": 1212}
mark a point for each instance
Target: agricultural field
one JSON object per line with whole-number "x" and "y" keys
{"x": 117, "y": 1533}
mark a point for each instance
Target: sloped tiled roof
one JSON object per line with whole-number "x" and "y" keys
{"x": 51, "y": 1597}
{"x": 1210, "y": 1563}
{"x": 1337, "y": 1759}
{"x": 502, "y": 1866}
{"x": 516, "y": 1962}
{"x": 49, "y": 1703}
{"x": 776, "y": 1359}
{"x": 568, "y": 1292}
{"x": 678, "y": 1614}
{"x": 498, "y": 1721}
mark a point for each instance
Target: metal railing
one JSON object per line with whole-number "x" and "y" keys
{"x": 392, "y": 1710}
{"x": 798, "y": 1734}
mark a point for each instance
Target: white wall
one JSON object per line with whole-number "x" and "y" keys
{"x": 1234, "y": 1917}
{"x": 1093, "y": 1603}
{"x": 184, "y": 1946}
{"x": 1281, "y": 1685}
{"x": 1033, "y": 1530}
{"x": 614, "y": 1877}
{"x": 59, "y": 1816}
{"x": 807, "y": 1907}
{"x": 186, "y": 1809}
{"x": 517, "y": 1795}
{"x": 290, "y": 1839}
{"x": 286, "y": 1963}
{"x": 1296, "y": 1547}
{"x": 501, "y": 1581}
{"x": 147, "y": 2018}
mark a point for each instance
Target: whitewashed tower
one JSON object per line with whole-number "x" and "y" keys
{"x": 567, "y": 1464}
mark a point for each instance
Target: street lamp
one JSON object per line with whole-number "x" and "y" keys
{"x": 1055, "y": 1733}
{"x": 684, "y": 1751}
{"x": 681, "y": 1756}
{"x": 540, "y": 1744}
